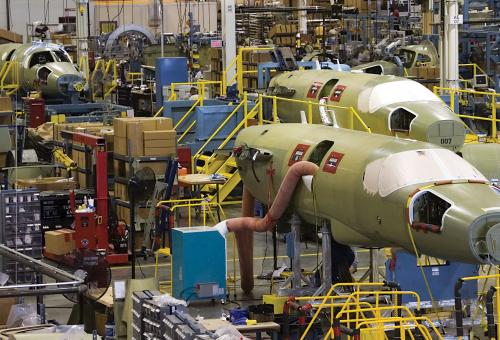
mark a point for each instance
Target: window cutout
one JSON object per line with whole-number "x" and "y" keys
{"x": 9, "y": 56}
{"x": 400, "y": 120}
{"x": 41, "y": 58}
{"x": 43, "y": 74}
{"x": 325, "y": 91}
{"x": 428, "y": 210}
{"x": 377, "y": 69}
{"x": 320, "y": 151}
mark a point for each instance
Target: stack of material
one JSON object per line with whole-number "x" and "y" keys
{"x": 427, "y": 75}
{"x": 144, "y": 137}
{"x": 253, "y": 27}
{"x": 140, "y": 143}
{"x": 283, "y": 34}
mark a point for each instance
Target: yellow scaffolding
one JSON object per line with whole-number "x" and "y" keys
{"x": 493, "y": 106}
{"x": 109, "y": 69}
{"x": 9, "y": 77}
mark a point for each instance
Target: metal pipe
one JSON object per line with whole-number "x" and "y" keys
{"x": 297, "y": 274}
{"x": 30, "y": 292}
{"x": 7, "y": 5}
{"x": 38, "y": 265}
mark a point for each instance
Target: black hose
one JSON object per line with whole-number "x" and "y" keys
{"x": 458, "y": 308}
{"x": 490, "y": 316}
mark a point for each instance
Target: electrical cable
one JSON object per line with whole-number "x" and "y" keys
{"x": 419, "y": 263}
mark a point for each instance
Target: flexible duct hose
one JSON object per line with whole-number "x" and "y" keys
{"x": 243, "y": 227}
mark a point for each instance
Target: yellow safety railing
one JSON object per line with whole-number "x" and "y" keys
{"x": 83, "y": 66}
{"x": 200, "y": 151}
{"x": 200, "y": 85}
{"x": 353, "y": 299}
{"x": 188, "y": 112}
{"x": 475, "y": 69}
{"x": 9, "y": 77}
{"x": 243, "y": 123}
{"x": 109, "y": 70}
{"x": 496, "y": 277}
{"x": 352, "y": 114}
{"x": 204, "y": 205}
{"x": 134, "y": 76}
{"x": 239, "y": 71}
{"x": 493, "y": 105}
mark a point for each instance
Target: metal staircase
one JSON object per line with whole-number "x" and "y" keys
{"x": 229, "y": 170}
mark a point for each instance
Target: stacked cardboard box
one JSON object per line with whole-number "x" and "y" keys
{"x": 59, "y": 242}
{"x": 283, "y": 34}
{"x": 93, "y": 128}
{"x": 144, "y": 137}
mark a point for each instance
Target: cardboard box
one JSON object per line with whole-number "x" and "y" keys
{"x": 164, "y": 124}
{"x": 159, "y": 143}
{"x": 47, "y": 183}
{"x": 5, "y": 305}
{"x": 160, "y": 134}
{"x": 135, "y": 141}
{"x": 82, "y": 180}
{"x": 121, "y": 191}
{"x": 120, "y": 145}
{"x": 59, "y": 242}
{"x": 164, "y": 151}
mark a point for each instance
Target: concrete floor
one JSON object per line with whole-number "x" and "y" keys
{"x": 58, "y": 307}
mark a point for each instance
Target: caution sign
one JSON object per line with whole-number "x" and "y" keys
{"x": 332, "y": 162}
{"x": 337, "y": 93}
{"x": 298, "y": 153}
{"x": 314, "y": 90}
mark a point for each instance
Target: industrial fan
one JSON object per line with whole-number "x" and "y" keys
{"x": 93, "y": 269}
{"x": 140, "y": 189}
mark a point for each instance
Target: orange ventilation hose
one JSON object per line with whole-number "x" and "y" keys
{"x": 243, "y": 227}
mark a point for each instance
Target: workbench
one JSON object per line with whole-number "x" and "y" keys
{"x": 258, "y": 329}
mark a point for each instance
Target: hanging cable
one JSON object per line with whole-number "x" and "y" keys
{"x": 419, "y": 263}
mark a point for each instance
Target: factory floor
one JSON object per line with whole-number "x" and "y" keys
{"x": 58, "y": 307}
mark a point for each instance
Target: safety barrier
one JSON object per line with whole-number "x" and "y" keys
{"x": 352, "y": 114}
{"x": 239, "y": 71}
{"x": 204, "y": 205}
{"x": 9, "y": 77}
{"x": 200, "y": 85}
{"x": 476, "y": 69}
{"x": 109, "y": 71}
{"x": 83, "y": 66}
{"x": 490, "y": 316}
{"x": 366, "y": 313}
{"x": 494, "y": 98}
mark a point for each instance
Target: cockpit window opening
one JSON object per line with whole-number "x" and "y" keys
{"x": 9, "y": 56}
{"x": 400, "y": 120}
{"x": 320, "y": 151}
{"x": 41, "y": 58}
{"x": 427, "y": 208}
{"x": 61, "y": 56}
{"x": 327, "y": 88}
{"x": 376, "y": 69}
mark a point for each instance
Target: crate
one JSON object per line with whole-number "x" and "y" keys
{"x": 20, "y": 224}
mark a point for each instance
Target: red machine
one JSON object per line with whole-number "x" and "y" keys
{"x": 92, "y": 229}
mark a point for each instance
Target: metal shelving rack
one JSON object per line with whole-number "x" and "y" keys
{"x": 21, "y": 230}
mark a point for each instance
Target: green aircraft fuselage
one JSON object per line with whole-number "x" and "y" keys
{"x": 372, "y": 188}
{"x": 45, "y": 67}
{"x": 388, "y": 105}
